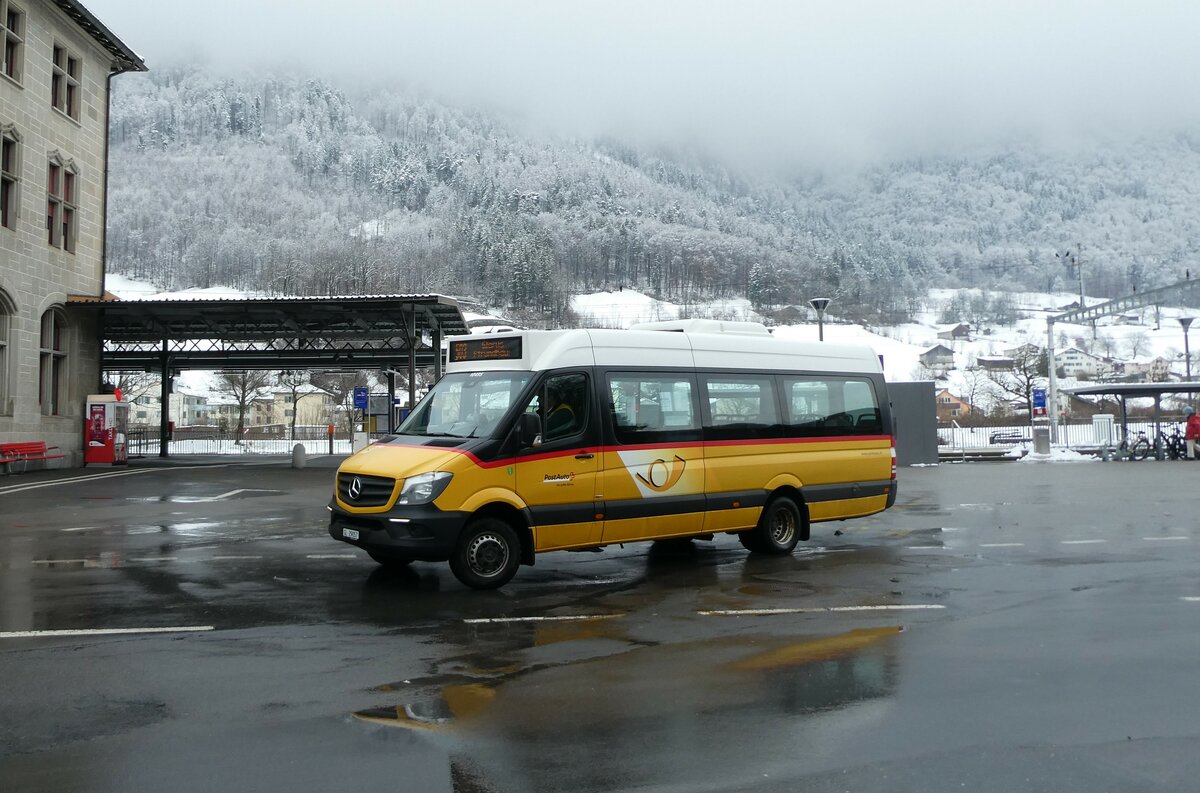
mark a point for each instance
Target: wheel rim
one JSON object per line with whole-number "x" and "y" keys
{"x": 783, "y": 526}
{"x": 487, "y": 555}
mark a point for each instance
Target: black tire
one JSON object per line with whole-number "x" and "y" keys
{"x": 388, "y": 560}
{"x": 778, "y": 530}
{"x": 487, "y": 555}
{"x": 1140, "y": 449}
{"x": 749, "y": 540}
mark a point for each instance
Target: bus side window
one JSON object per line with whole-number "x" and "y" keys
{"x": 649, "y": 416}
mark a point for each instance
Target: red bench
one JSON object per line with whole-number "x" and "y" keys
{"x": 24, "y": 451}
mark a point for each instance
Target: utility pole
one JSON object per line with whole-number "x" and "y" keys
{"x": 1073, "y": 260}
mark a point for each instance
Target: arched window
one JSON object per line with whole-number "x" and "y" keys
{"x": 53, "y": 363}
{"x": 8, "y": 310}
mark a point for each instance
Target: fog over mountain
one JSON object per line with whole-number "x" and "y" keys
{"x": 766, "y": 82}
{"x": 519, "y": 153}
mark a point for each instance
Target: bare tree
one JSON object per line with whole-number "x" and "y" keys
{"x": 298, "y": 385}
{"x": 1027, "y": 373}
{"x": 340, "y": 386}
{"x": 243, "y": 387}
{"x": 977, "y": 392}
{"x": 1137, "y": 343}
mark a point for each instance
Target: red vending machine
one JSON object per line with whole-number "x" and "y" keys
{"x": 107, "y": 420}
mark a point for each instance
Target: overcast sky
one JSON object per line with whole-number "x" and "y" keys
{"x": 796, "y": 81}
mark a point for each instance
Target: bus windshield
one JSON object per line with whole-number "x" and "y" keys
{"x": 466, "y": 404}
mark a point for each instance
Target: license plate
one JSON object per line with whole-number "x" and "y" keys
{"x": 350, "y": 534}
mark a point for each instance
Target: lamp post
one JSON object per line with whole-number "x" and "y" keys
{"x": 820, "y": 304}
{"x": 1186, "y": 322}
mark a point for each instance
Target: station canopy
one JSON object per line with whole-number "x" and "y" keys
{"x": 1135, "y": 390}
{"x": 356, "y": 332}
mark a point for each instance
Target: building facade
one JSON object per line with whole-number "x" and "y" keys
{"x": 950, "y": 407}
{"x": 55, "y": 68}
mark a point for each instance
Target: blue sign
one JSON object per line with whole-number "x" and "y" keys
{"x": 360, "y": 397}
{"x": 1039, "y": 401}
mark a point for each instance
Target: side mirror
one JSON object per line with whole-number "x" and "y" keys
{"x": 529, "y": 430}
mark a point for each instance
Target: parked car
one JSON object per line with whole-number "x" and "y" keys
{"x": 1006, "y": 436}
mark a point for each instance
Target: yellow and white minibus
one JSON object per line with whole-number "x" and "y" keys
{"x": 573, "y": 439}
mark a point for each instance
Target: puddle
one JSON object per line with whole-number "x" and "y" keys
{"x": 675, "y": 683}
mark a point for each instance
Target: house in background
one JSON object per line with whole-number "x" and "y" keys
{"x": 312, "y": 406}
{"x": 54, "y": 78}
{"x": 995, "y": 363}
{"x": 950, "y": 407}
{"x": 961, "y": 331}
{"x": 938, "y": 358}
{"x": 1083, "y": 365}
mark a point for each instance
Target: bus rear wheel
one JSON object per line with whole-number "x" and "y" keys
{"x": 487, "y": 555}
{"x": 778, "y": 528}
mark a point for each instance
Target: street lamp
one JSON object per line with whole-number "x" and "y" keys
{"x": 820, "y": 304}
{"x": 1186, "y": 322}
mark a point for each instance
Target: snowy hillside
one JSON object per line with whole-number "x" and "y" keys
{"x": 899, "y": 345}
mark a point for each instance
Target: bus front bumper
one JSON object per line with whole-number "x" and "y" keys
{"x": 424, "y": 533}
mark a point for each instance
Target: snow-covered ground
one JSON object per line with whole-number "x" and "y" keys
{"x": 901, "y": 345}
{"x": 1157, "y": 334}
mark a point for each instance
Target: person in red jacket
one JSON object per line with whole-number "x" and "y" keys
{"x": 1191, "y": 432}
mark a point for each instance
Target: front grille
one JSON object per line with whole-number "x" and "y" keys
{"x": 374, "y": 491}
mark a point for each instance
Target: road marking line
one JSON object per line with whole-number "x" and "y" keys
{"x": 223, "y": 558}
{"x": 1164, "y": 539}
{"x": 104, "y": 632}
{"x": 484, "y": 620}
{"x": 71, "y": 480}
{"x": 235, "y": 492}
{"x": 81, "y": 528}
{"x": 926, "y": 547}
{"x": 1190, "y": 599}
{"x": 818, "y": 610}
{"x": 62, "y": 561}
{"x": 332, "y": 556}
{"x": 153, "y": 559}
{"x": 1082, "y": 542}
{"x": 1002, "y": 545}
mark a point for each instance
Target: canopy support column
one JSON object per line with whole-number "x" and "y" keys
{"x": 164, "y": 415}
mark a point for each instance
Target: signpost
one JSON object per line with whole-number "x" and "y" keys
{"x": 1039, "y": 403}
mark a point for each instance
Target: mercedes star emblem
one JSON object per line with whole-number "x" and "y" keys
{"x": 355, "y": 489}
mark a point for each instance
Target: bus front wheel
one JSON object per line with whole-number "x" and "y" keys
{"x": 778, "y": 528}
{"x": 487, "y": 554}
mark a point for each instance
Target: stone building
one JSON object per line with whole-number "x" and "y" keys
{"x": 55, "y": 66}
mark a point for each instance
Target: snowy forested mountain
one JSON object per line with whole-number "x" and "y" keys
{"x": 296, "y": 186}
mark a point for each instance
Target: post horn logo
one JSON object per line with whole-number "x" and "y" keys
{"x": 661, "y": 476}
{"x": 355, "y": 488}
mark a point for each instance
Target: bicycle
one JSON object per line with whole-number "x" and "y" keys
{"x": 1173, "y": 444}
{"x": 1138, "y": 449}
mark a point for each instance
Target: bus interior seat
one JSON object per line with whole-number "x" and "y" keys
{"x": 839, "y": 420}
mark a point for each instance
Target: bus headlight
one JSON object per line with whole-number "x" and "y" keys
{"x": 423, "y": 488}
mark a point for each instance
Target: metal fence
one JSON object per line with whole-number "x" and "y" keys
{"x": 144, "y": 442}
{"x": 1074, "y": 434}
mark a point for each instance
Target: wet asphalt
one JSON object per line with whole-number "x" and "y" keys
{"x": 1007, "y": 627}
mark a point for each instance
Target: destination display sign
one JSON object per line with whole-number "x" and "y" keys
{"x": 485, "y": 349}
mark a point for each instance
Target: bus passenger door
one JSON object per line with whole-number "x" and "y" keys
{"x": 557, "y": 478}
{"x": 653, "y": 477}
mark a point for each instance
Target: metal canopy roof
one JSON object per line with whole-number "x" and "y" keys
{"x": 1135, "y": 389}
{"x": 276, "y": 333}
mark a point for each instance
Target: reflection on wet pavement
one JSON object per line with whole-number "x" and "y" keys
{"x": 533, "y": 720}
